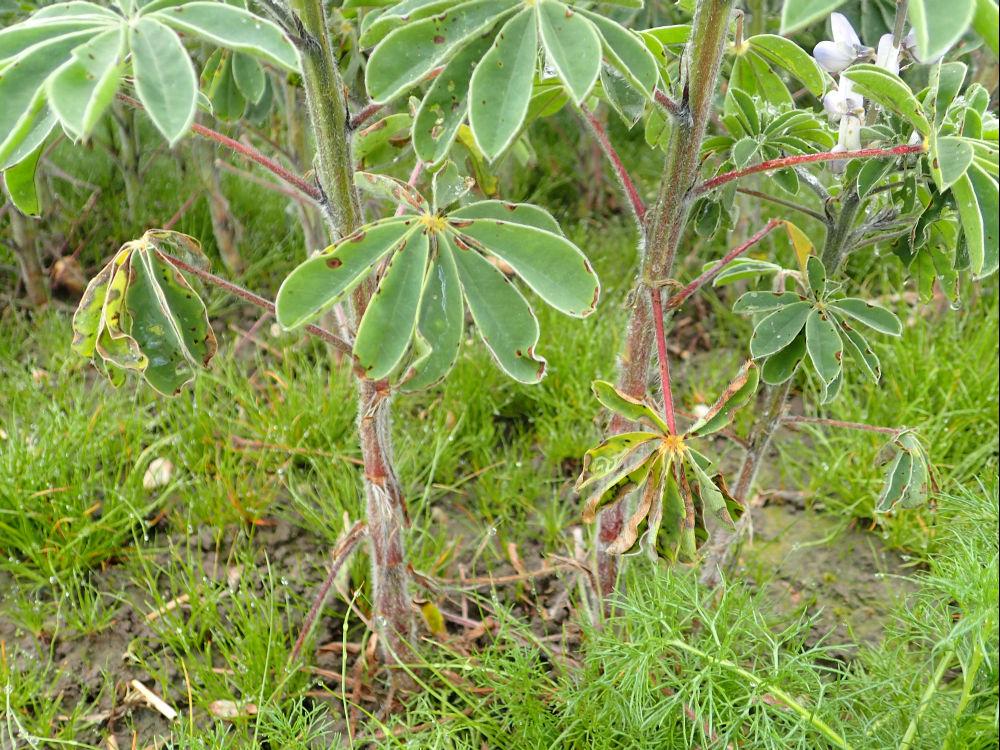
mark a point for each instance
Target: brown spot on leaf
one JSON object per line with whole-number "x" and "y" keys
{"x": 334, "y": 263}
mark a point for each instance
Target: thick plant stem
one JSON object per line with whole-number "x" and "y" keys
{"x": 837, "y": 239}
{"x": 724, "y": 546}
{"x": 665, "y": 225}
{"x": 342, "y": 208}
{"x": 25, "y": 248}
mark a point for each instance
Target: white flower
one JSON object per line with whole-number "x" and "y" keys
{"x": 842, "y": 101}
{"x": 845, "y": 49}
{"x": 887, "y": 56}
{"x": 850, "y": 140}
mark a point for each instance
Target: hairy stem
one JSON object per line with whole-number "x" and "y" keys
{"x": 254, "y": 299}
{"x": 708, "y": 276}
{"x": 798, "y": 159}
{"x": 837, "y": 239}
{"x": 661, "y": 351}
{"x": 384, "y": 497}
{"x": 247, "y": 151}
{"x": 624, "y": 178}
{"x": 725, "y": 542}
{"x": 338, "y": 557}
{"x": 665, "y": 225}
{"x": 25, "y": 249}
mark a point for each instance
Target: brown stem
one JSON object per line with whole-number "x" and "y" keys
{"x": 254, "y": 299}
{"x": 792, "y": 161}
{"x": 678, "y": 299}
{"x": 671, "y": 107}
{"x": 386, "y": 515}
{"x": 26, "y": 251}
{"x": 724, "y": 545}
{"x": 628, "y": 186}
{"x": 782, "y": 202}
{"x": 665, "y": 225}
{"x": 338, "y": 557}
{"x": 860, "y": 426}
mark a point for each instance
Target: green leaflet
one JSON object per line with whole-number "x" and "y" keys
{"x": 862, "y": 353}
{"x": 21, "y": 83}
{"x": 164, "y": 77}
{"x": 395, "y": 16}
{"x": 890, "y": 91}
{"x": 371, "y": 139}
{"x": 514, "y": 213}
{"x": 938, "y": 25}
{"x": 792, "y": 58}
{"x": 168, "y": 321}
{"x": 83, "y": 88}
{"x": 572, "y": 45}
{"x": 551, "y": 265}
{"x": 324, "y": 279}
{"x": 500, "y": 88}
{"x": 39, "y": 129}
{"x": 20, "y": 38}
{"x": 984, "y": 187}
{"x": 824, "y": 346}
{"x": 755, "y": 302}
{"x": 505, "y": 321}
{"x": 632, "y": 409}
{"x": 21, "y": 186}
{"x": 249, "y": 76}
{"x": 76, "y": 9}
{"x": 410, "y": 52}
{"x": 778, "y": 329}
{"x": 798, "y": 13}
{"x": 232, "y": 27}
{"x": 446, "y": 103}
{"x": 816, "y": 276}
{"x": 871, "y": 315}
{"x": 711, "y": 497}
{"x": 780, "y": 366}
{"x": 626, "y": 52}
{"x": 986, "y": 23}
{"x": 440, "y": 324}
{"x": 448, "y": 187}
{"x": 949, "y": 159}
{"x": 387, "y": 326}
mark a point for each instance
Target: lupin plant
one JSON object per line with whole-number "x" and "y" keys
{"x": 409, "y": 277}
{"x": 909, "y": 169}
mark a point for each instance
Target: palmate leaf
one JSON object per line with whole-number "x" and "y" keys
{"x": 908, "y": 480}
{"x": 139, "y": 313}
{"x": 72, "y": 56}
{"x": 413, "y": 327}
{"x": 491, "y": 51}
